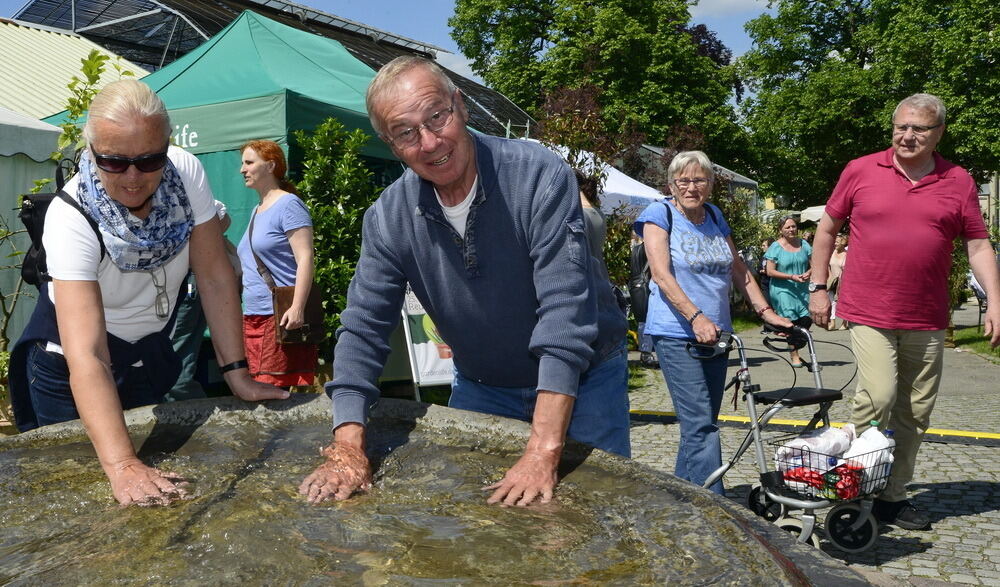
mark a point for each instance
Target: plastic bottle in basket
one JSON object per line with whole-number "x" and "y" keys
{"x": 873, "y": 451}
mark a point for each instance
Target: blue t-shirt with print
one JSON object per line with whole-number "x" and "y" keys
{"x": 701, "y": 262}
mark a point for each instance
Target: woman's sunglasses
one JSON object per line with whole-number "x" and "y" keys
{"x": 145, "y": 164}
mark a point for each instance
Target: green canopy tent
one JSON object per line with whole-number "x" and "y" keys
{"x": 258, "y": 79}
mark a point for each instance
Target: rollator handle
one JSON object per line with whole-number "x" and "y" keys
{"x": 703, "y": 351}
{"x": 787, "y": 339}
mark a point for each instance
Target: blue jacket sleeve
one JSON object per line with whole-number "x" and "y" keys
{"x": 374, "y": 300}
{"x": 567, "y": 300}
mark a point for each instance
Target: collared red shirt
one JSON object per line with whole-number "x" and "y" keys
{"x": 901, "y": 240}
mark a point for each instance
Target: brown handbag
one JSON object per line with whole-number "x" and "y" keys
{"x": 312, "y": 330}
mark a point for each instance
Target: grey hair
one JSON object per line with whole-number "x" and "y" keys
{"x": 684, "y": 158}
{"x": 925, "y": 102}
{"x": 385, "y": 81}
{"x": 124, "y": 100}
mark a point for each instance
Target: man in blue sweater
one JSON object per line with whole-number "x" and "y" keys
{"x": 489, "y": 234}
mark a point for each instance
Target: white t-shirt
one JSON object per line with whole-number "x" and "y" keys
{"x": 73, "y": 254}
{"x": 458, "y": 215}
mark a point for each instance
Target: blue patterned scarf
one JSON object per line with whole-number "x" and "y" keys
{"x": 134, "y": 244}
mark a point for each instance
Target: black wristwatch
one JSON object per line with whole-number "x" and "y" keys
{"x": 816, "y": 287}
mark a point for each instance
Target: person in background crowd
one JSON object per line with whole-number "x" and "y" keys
{"x": 762, "y": 278}
{"x": 99, "y": 339}
{"x": 490, "y": 235}
{"x": 694, "y": 265}
{"x": 283, "y": 240}
{"x": 593, "y": 218}
{"x": 189, "y": 328}
{"x": 837, "y": 261}
{"x": 788, "y": 271}
{"x": 639, "y": 278}
{"x": 907, "y": 205}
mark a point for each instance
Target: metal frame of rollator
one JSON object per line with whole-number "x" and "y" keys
{"x": 772, "y": 482}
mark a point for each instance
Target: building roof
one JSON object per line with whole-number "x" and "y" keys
{"x": 734, "y": 178}
{"x": 40, "y": 62}
{"x": 154, "y": 33}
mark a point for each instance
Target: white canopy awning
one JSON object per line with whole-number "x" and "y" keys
{"x": 812, "y": 214}
{"x": 621, "y": 191}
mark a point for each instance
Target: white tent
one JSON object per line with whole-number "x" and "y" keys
{"x": 620, "y": 191}
{"x": 812, "y": 214}
{"x": 25, "y": 146}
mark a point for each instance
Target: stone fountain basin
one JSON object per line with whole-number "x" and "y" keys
{"x": 425, "y": 522}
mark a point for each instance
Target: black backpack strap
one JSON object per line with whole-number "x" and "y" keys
{"x": 93, "y": 223}
{"x": 670, "y": 216}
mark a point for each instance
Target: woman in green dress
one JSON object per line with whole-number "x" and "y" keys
{"x": 788, "y": 269}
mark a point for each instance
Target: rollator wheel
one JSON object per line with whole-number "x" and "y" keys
{"x": 838, "y": 528}
{"x": 762, "y": 505}
{"x": 794, "y": 526}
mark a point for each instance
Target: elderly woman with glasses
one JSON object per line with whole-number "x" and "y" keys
{"x": 694, "y": 263}
{"x": 139, "y": 214}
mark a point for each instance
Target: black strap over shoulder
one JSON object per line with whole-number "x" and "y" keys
{"x": 670, "y": 217}
{"x": 34, "y": 207}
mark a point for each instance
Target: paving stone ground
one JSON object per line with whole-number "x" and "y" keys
{"x": 957, "y": 480}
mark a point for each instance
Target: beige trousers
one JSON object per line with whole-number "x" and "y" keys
{"x": 899, "y": 372}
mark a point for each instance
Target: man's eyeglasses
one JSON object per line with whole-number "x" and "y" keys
{"x": 684, "y": 182}
{"x": 918, "y": 129}
{"x": 162, "y": 304}
{"x": 145, "y": 163}
{"x": 435, "y": 123}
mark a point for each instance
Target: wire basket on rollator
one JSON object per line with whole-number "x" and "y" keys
{"x": 813, "y": 474}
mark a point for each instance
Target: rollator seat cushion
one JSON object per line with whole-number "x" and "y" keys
{"x": 798, "y": 396}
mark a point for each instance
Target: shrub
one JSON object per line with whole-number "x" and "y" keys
{"x": 337, "y": 187}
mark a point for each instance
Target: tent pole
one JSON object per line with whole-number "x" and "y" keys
{"x": 170, "y": 38}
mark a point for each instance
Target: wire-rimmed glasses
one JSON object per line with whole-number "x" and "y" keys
{"x": 918, "y": 129}
{"x": 162, "y": 304}
{"x": 684, "y": 182}
{"x": 435, "y": 123}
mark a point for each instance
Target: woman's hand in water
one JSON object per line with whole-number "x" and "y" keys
{"x": 133, "y": 482}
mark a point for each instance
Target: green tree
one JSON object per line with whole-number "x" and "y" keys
{"x": 654, "y": 70}
{"x": 828, "y": 74}
{"x": 337, "y": 187}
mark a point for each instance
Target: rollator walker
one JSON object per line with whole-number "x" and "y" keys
{"x": 848, "y": 487}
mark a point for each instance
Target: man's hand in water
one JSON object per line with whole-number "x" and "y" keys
{"x": 345, "y": 471}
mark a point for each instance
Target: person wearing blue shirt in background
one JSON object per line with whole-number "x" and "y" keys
{"x": 489, "y": 234}
{"x": 694, "y": 263}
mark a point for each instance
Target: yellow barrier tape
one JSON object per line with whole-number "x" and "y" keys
{"x": 745, "y": 420}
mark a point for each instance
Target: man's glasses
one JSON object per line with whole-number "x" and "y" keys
{"x": 162, "y": 304}
{"x": 435, "y": 123}
{"x": 684, "y": 182}
{"x": 918, "y": 129}
{"x": 145, "y": 164}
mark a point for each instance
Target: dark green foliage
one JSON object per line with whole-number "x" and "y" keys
{"x": 827, "y": 76}
{"x": 618, "y": 247}
{"x": 654, "y": 68}
{"x": 337, "y": 187}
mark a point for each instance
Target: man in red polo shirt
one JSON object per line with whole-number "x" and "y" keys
{"x": 906, "y": 206}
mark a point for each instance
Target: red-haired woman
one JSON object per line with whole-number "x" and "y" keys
{"x": 282, "y": 237}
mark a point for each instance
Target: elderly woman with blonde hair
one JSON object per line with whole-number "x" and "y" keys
{"x": 138, "y": 214}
